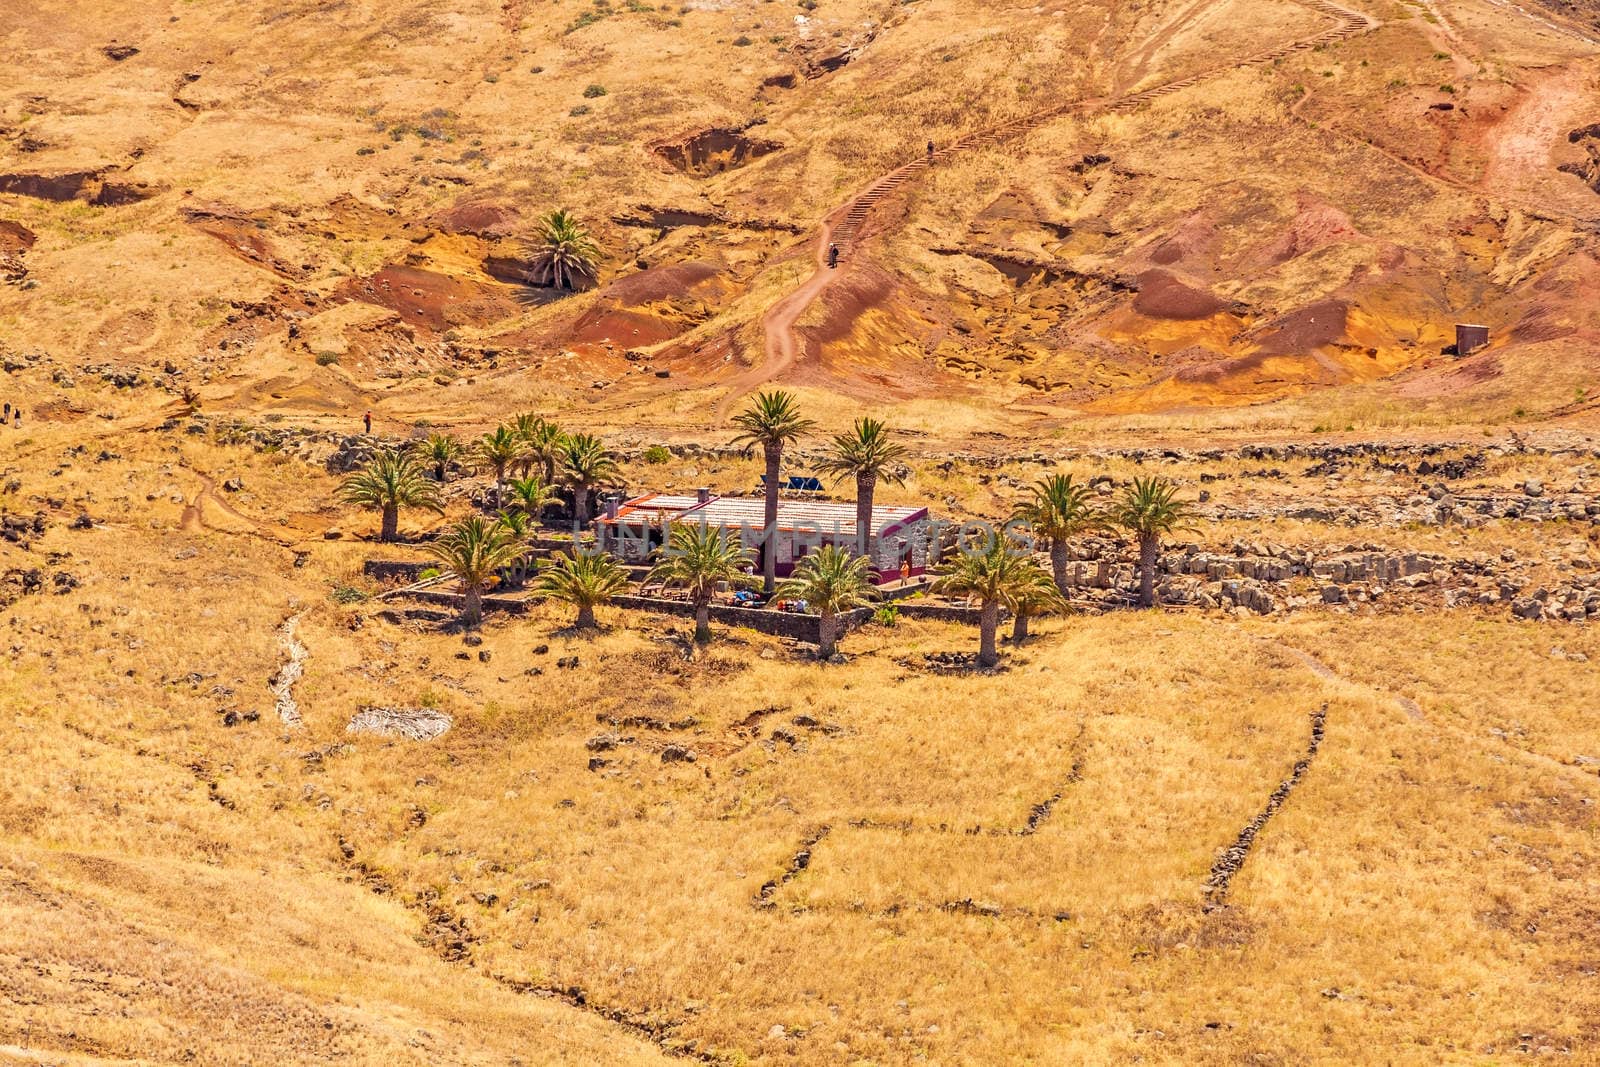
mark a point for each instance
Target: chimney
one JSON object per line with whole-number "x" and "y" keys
{"x": 702, "y": 495}
{"x": 612, "y": 504}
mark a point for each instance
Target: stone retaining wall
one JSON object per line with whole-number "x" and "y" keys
{"x": 776, "y": 623}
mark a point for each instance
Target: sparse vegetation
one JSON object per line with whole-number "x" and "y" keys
{"x": 564, "y": 255}
{"x": 390, "y": 481}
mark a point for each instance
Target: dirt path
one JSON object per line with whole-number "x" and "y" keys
{"x": 193, "y": 518}
{"x": 784, "y": 351}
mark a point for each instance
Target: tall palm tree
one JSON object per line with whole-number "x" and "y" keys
{"x": 697, "y": 558}
{"x": 563, "y": 254}
{"x": 586, "y": 462}
{"x": 771, "y": 422}
{"x": 391, "y": 480}
{"x": 500, "y": 448}
{"x": 1035, "y": 594}
{"x": 583, "y": 579}
{"x": 993, "y": 575}
{"x": 867, "y": 455}
{"x": 546, "y": 444}
{"x": 530, "y": 495}
{"x": 473, "y": 551}
{"x": 1150, "y": 509}
{"x": 830, "y": 580}
{"x": 441, "y": 450}
{"x": 1059, "y": 510}
{"x": 525, "y": 425}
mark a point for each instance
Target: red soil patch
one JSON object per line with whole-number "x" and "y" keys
{"x": 652, "y": 306}
{"x": 1477, "y": 369}
{"x": 1162, "y": 296}
{"x": 659, "y": 283}
{"x": 1196, "y": 236}
{"x": 241, "y": 235}
{"x": 482, "y": 218}
{"x": 15, "y": 237}
{"x": 1309, "y": 328}
{"x": 432, "y": 301}
{"x": 1316, "y": 224}
{"x": 57, "y": 187}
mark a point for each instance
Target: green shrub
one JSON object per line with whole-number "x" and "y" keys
{"x": 347, "y": 594}
{"x": 327, "y": 359}
{"x": 428, "y": 574}
{"x": 657, "y": 454}
{"x": 887, "y": 615}
{"x": 594, "y": 92}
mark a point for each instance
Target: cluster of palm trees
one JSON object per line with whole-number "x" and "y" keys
{"x": 531, "y": 455}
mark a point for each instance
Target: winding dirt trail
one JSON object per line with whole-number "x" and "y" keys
{"x": 784, "y": 350}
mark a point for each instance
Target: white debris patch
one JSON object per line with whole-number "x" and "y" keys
{"x": 417, "y": 724}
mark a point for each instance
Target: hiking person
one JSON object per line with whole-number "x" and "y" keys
{"x": 367, "y": 419}
{"x": 930, "y": 151}
{"x": 833, "y": 255}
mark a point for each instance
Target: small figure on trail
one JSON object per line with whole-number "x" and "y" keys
{"x": 833, "y": 255}
{"x": 367, "y": 419}
{"x": 930, "y": 151}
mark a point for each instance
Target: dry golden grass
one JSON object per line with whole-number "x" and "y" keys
{"x": 176, "y": 889}
{"x": 1420, "y": 896}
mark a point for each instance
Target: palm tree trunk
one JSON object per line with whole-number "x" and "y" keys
{"x": 702, "y": 622}
{"x": 866, "y": 486}
{"x": 1149, "y": 546}
{"x": 1058, "y": 563}
{"x": 471, "y": 604}
{"x": 438, "y": 471}
{"x": 390, "y": 529}
{"x": 825, "y": 635}
{"x": 769, "y": 533}
{"x": 988, "y": 622}
{"x": 580, "y": 504}
{"x": 586, "y": 619}
{"x": 1019, "y": 629}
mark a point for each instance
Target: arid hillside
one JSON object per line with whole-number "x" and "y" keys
{"x": 269, "y": 795}
{"x": 1145, "y": 209}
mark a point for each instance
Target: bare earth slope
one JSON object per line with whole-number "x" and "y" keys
{"x": 1336, "y": 802}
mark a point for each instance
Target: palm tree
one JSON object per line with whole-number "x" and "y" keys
{"x": 391, "y": 480}
{"x": 771, "y": 421}
{"x": 697, "y": 558}
{"x": 1059, "y": 510}
{"x": 867, "y": 455}
{"x": 564, "y": 254}
{"x": 993, "y": 575}
{"x": 501, "y": 449}
{"x": 583, "y": 579}
{"x": 546, "y": 444}
{"x": 830, "y": 580}
{"x": 586, "y": 462}
{"x": 1035, "y": 594}
{"x": 441, "y": 450}
{"x": 530, "y": 495}
{"x": 1148, "y": 509}
{"x": 473, "y": 551}
{"x": 517, "y": 526}
{"x": 526, "y": 426}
